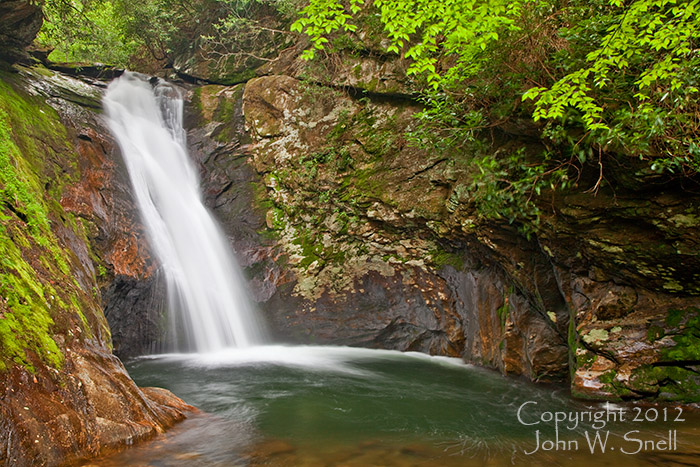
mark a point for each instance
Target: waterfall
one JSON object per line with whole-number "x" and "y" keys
{"x": 207, "y": 300}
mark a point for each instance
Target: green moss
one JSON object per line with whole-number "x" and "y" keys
{"x": 670, "y": 383}
{"x": 379, "y": 137}
{"x": 230, "y": 79}
{"x": 370, "y": 85}
{"x": 26, "y": 325}
{"x": 196, "y": 103}
{"x": 278, "y": 219}
{"x": 585, "y": 359}
{"x": 572, "y": 340}
{"x": 364, "y": 185}
{"x": 617, "y": 389}
{"x": 311, "y": 250}
{"x": 83, "y": 319}
{"x": 674, "y": 317}
{"x": 357, "y": 71}
{"x": 441, "y": 258}
{"x": 225, "y": 113}
{"x": 673, "y": 377}
{"x": 672, "y": 286}
{"x": 608, "y": 377}
{"x": 502, "y": 312}
{"x": 687, "y": 338}
{"x": 655, "y": 333}
{"x": 341, "y": 128}
{"x": 31, "y": 256}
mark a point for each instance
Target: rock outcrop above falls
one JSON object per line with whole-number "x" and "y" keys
{"x": 20, "y": 21}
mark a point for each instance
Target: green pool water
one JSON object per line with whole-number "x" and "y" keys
{"x": 327, "y": 406}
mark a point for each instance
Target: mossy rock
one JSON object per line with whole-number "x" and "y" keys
{"x": 40, "y": 295}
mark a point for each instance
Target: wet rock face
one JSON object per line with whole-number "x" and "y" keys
{"x": 50, "y": 419}
{"x": 135, "y": 311}
{"x": 71, "y": 399}
{"x": 409, "y": 310}
{"x": 132, "y": 297}
{"x": 626, "y": 262}
{"x": 505, "y": 330}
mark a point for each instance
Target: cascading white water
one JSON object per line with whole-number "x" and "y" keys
{"x": 209, "y": 306}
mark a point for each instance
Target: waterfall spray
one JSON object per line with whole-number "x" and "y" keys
{"x": 209, "y": 307}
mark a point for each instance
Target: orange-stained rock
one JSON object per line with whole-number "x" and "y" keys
{"x": 88, "y": 406}
{"x": 128, "y": 258}
{"x": 102, "y": 196}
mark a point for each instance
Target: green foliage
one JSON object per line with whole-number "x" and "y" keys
{"x": 444, "y": 125}
{"x": 419, "y": 30}
{"x": 504, "y": 186}
{"x": 126, "y": 32}
{"x": 86, "y": 31}
{"x": 323, "y": 17}
{"x": 504, "y": 310}
{"x": 156, "y": 27}
{"x": 637, "y": 90}
{"x": 610, "y": 79}
{"x": 244, "y": 34}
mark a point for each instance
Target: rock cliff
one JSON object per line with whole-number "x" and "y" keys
{"x": 351, "y": 235}
{"x": 67, "y": 228}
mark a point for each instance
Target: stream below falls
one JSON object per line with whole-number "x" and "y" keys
{"x": 339, "y": 406}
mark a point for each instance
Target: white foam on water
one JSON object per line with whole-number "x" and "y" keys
{"x": 319, "y": 358}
